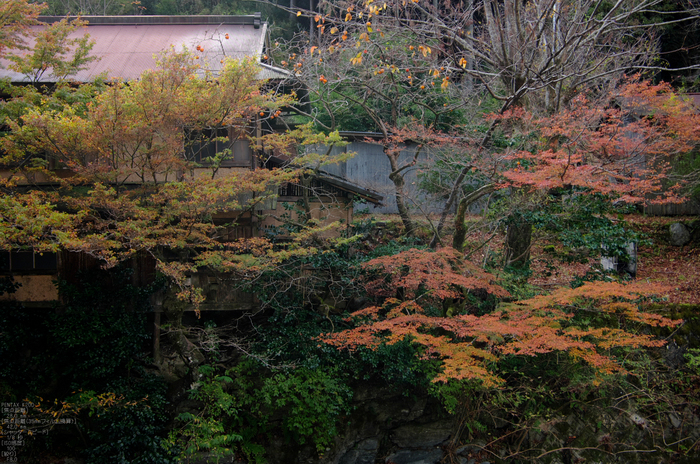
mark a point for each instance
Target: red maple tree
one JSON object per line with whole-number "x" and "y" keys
{"x": 620, "y": 145}
{"x": 410, "y": 284}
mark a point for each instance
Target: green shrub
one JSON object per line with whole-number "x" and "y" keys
{"x": 209, "y": 429}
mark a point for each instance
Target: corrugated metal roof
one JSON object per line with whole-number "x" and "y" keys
{"x": 128, "y": 45}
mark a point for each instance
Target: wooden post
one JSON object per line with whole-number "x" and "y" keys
{"x": 156, "y": 336}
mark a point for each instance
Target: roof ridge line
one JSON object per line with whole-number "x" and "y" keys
{"x": 251, "y": 20}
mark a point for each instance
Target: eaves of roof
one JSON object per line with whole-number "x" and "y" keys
{"x": 273, "y": 72}
{"x": 360, "y": 135}
{"x": 338, "y": 182}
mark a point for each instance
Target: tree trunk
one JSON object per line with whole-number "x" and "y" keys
{"x": 518, "y": 243}
{"x": 405, "y": 215}
{"x": 312, "y": 24}
{"x": 460, "y": 227}
{"x": 396, "y": 177}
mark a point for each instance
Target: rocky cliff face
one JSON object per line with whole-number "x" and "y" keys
{"x": 387, "y": 427}
{"x": 393, "y": 429}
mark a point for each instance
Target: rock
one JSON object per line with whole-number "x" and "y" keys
{"x": 628, "y": 265}
{"x": 674, "y": 355}
{"x": 470, "y": 450}
{"x": 421, "y": 435}
{"x": 365, "y": 452}
{"x": 679, "y": 234}
{"x": 369, "y": 444}
{"x": 415, "y": 457}
{"x": 189, "y": 405}
{"x": 675, "y": 420}
{"x": 463, "y": 460}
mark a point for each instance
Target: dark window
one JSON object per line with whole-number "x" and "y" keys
{"x": 230, "y": 143}
{"x": 230, "y": 231}
{"x": 45, "y": 261}
{"x": 22, "y": 260}
{"x": 5, "y": 261}
{"x": 28, "y": 261}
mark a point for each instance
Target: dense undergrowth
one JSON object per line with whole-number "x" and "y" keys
{"x": 276, "y": 381}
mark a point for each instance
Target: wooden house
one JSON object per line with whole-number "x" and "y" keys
{"x": 126, "y": 46}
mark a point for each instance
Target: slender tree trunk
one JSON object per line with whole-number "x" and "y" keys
{"x": 460, "y": 227}
{"x": 397, "y": 178}
{"x": 312, "y": 24}
{"x": 469, "y": 29}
